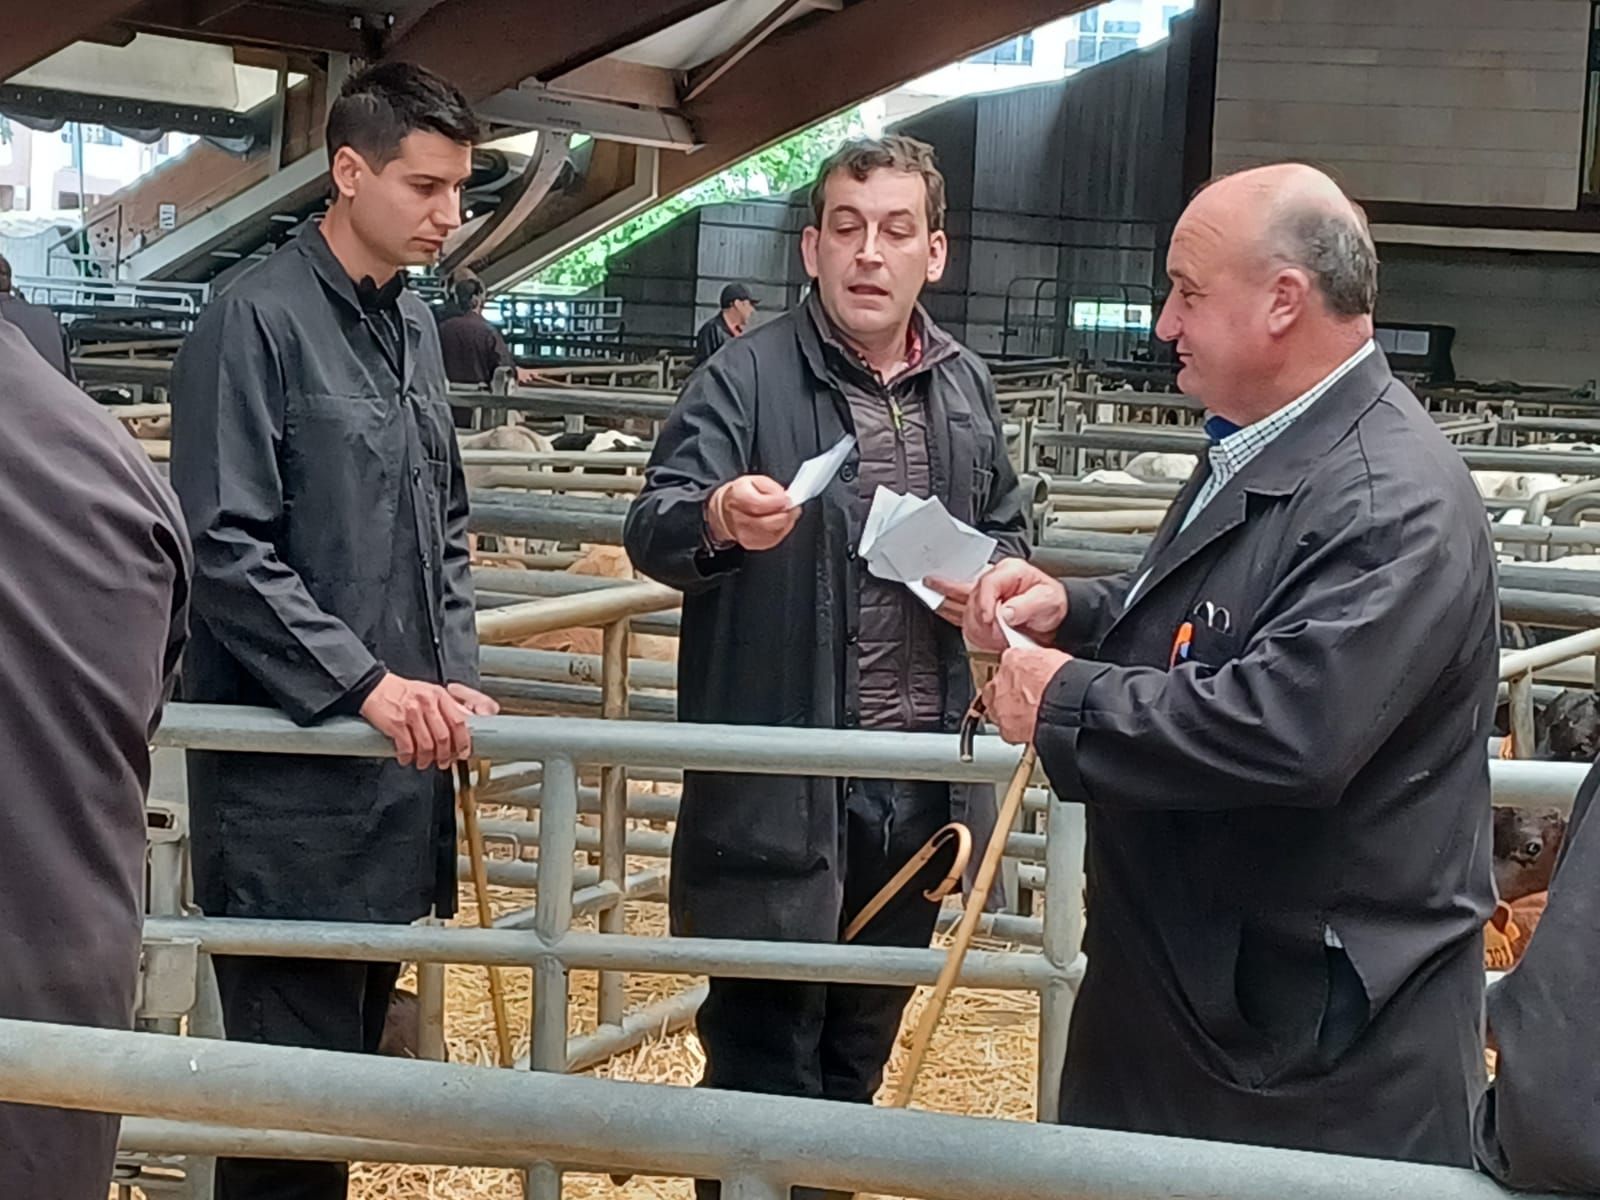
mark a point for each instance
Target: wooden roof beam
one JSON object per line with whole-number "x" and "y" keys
{"x": 36, "y": 31}
{"x": 487, "y": 46}
{"x": 869, "y": 47}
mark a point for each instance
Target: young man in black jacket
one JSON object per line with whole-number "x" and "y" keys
{"x": 783, "y": 624}
{"x": 314, "y": 455}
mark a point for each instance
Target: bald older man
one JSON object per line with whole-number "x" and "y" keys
{"x": 1277, "y": 723}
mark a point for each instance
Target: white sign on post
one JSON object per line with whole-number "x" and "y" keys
{"x": 167, "y": 216}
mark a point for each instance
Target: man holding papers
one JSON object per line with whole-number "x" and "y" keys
{"x": 1277, "y": 724}
{"x": 785, "y": 622}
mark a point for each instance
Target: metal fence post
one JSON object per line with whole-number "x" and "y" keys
{"x": 558, "y": 842}
{"x": 430, "y": 1000}
{"x": 1521, "y": 708}
{"x": 747, "y": 1186}
{"x": 613, "y": 996}
{"x": 1063, "y": 936}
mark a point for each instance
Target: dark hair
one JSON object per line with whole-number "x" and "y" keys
{"x": 1335, "y": 249}
{"x": 378, "y": 107}
{"x": 862, "y": 156}
{"x": 5, "y": 273}
{"x": 467, "y": 291}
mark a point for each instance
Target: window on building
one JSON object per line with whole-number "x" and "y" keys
{"x": 1111, "y": 314}
{"x": 5, "y": 131}
{"x": 1591, "y": 115}
{"x": 1100, "y": 39}
{"x": 67, "y": 200}
{"x": 8, "y": 197}
{"x": 93, "y": 135}
{"x": 1017, "y": 52}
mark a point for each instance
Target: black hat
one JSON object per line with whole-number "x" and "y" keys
{"x": 735, "y": 292}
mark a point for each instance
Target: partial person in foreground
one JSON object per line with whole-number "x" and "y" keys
{"x": 314, "y": 454}
{"x": 93, "y": 618}
{"x": 1538, "y": 1126}
{"x": 1277, "y": 723}
{"x": 784, "y": 625}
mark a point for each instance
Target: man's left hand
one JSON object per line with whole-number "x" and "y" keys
{"x": 474, "y": 701}
{"x": 1013, "y": 695}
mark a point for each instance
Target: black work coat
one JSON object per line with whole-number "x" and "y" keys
{"x": 770, "y": 638}
{"x": 94, "y": 584}
{"x": 1316, "y": 764}
{"x": 323, "y": 489}
{"x": 711, "y": 337}
{"x": 1538, "y": 1127}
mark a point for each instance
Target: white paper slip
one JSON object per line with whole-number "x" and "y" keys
{"x": 906, "y": 539}
{"x": 814, "y": 473}
{"x": 1017, "y": 641}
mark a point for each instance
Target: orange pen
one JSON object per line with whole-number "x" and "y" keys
{"x": 1180, "y": 643}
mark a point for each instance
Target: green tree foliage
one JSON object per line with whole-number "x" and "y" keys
{"x": 775, "y": 171}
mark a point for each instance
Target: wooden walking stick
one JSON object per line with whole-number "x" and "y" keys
{"x": 970, "y": 914}
{"x": 467, "y": 794}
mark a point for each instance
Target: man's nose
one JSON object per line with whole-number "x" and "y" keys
{"x": 1168, "y": 327}
{"x": 869, "y": 248}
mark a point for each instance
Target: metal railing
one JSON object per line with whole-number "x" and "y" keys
{"x": 295, "y": 1103}
{"x": 220, "y": 1098}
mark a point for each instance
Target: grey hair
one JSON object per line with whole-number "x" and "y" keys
{"x": 1335, "y": 248}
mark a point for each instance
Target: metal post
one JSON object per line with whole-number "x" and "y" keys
{"x": 613, "y": 997}
{"x": 558, "y": 842}
{"x": 747, "y": 1186}
{"x": 1063, "y": 935}
{"x": 430, "y": 999}
{"x": 1522, "y": 731}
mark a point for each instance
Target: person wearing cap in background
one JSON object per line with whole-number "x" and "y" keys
{"x": 738, "y": 306}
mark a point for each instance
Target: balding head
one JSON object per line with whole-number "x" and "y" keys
{"x": 1274, "y": 277}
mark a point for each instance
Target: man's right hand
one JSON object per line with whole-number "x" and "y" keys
{"x": 753, "y": 511}
{"x": 427, "y": 725}
{"x": 1031, "y": 601}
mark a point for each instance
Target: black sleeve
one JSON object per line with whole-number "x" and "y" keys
{"x": 705, "y": 442}
{"x": 499, "y": 354}
{"x": 1364, "y": 622}
{"x": 1005, "y": 518}
{"x": 1092, "y": 605}
{"x": 227, "y": 431}
{"x": 1535, "y": 1127}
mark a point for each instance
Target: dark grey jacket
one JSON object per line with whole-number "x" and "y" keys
{"x": 324, "y": 492}
{"x": 1316, "y": 764}
{"x": 1538, "y": 1128}
{"x": 772, "y": 638}
{"x": 94, "y": 589}
{"x": 42, "y": 328}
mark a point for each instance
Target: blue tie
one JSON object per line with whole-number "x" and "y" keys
{"x": 1218, "y": 428}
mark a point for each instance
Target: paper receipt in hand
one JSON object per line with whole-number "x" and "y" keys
{"x": 814, "y": 473}
{"x": 906, "y": 539}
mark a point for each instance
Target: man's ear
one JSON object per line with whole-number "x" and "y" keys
{"x": 346, "y": 168}
{"x": 808, "y": 249}
{"x": 938, "y": 256}
{"x": 1292, "y": 293}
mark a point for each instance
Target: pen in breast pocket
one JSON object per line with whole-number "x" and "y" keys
{"x": 1181, "y": 643}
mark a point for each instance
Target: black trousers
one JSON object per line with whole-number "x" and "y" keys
{"x": 830, "y": 1041}
{"x": 315, "y": 1003}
